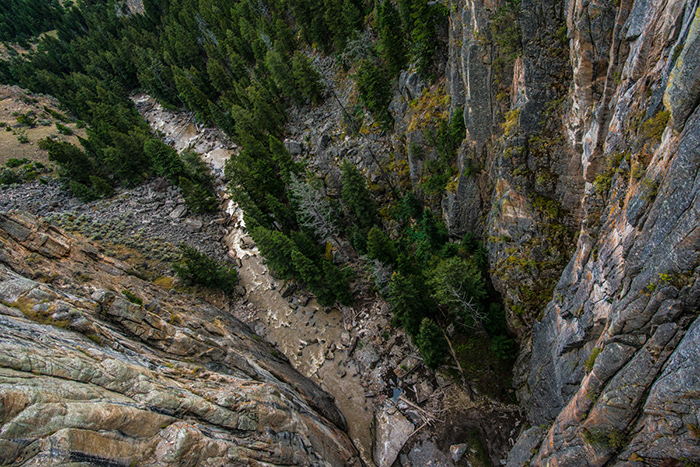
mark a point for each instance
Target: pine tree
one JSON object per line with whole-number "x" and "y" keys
{"x": 306, "y": 78}
{"x": 218, "y": 75}
{"x": 282, "y": 74}
{"x": 381, "y": 247}
{"x": 284, "y": 160}
{"x": 458, "y": 284}
{"x": 306, "y": 269}
{"x": 375, "y": 91}
{"x": 197, "y": 268}
{"x": 406, "y": 297}
{"x": 164, "y": 159}
{"x": 337, "y": 283}
{"x": 424, "y": 36}
{"x": 277, "y": 249}
{"x": 411, "y": 207}
{"x": 357, "y": 197}
{"x": 391, "y": 38}
{"x": 431, "y": 343}
{"x": 193, "y": 98}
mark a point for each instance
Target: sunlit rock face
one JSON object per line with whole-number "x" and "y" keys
{"x": 89, "y": 376}
{"x": 591, "y": 142}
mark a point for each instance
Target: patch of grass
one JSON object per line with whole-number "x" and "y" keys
{"x": 132, "y": 297}
{"x": 511, "y": 123}
{"x": 590, "y": 362}
{"x": 613, "y": 439}
{"x": 164, "y": 282}
{"x": 95, "y": 338}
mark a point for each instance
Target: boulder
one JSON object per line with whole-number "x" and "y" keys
{"x": 393, "y": 430}
{"x": 178, "y": 212}
{"x": 193, "y": 225}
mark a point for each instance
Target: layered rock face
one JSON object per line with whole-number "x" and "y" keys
{"x": 593, "y": 154}
{"x": 89, "y": 376}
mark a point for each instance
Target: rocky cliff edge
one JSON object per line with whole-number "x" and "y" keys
{"x": 90, "y": 376}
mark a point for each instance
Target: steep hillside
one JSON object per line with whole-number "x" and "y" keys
{"x": 92, "y": 375}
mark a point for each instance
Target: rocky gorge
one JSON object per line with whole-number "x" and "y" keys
{"x": 579, "y": 171}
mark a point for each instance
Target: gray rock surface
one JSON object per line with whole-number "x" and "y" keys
{"x": 392, "y": 432}
{"x": 87, "y": 376}
{"x": 683, "y": 91}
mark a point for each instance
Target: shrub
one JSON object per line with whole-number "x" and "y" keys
{"x": 27, "y": 119}
{"x": 64, "y": 130}
{"x": 654, "y": 128}
{"x": 8, "y": 177}
{"x": 12, "y": 162}
{"x": 196, "y": 268}
{"x": 132, "y": 297}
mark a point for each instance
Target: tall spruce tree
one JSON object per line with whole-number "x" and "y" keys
{"x": 357, "y": 197}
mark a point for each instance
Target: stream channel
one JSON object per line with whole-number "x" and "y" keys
{"x": 315, "y": 341}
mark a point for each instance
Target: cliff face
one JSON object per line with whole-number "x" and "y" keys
{"x": 593, "y": 160}
{"x": 89, "y": 376}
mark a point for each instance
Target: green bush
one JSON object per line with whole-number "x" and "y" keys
{"x": 64, "y": 130}
{"x": 131, "y": 297}
{"x": 8, "y": 177}
{"x": 27, "y": 119}
{"x": 12, "y": 162}
{"x": 196, "y": 268}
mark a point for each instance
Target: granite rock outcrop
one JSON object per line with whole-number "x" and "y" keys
{"x": 89, "y": 374}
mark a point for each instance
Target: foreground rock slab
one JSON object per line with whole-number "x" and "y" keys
{"x": 87, "y": 376}
{"x": 393, "y": 430}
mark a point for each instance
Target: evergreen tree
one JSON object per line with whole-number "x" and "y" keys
{"x": 375, "y": 91}
{"x": 277, "y": 249}
{"x": 408, "y": 300}
{"x": 306, "y": 78}
{"x": 307, "y": 270}
{"x": 193, "y": 97}
{"x": 338, "y": 283}
{"x": 284, "y": 160}
{"x": 197, "y": 197}
{"x": 357, "y": 197}
{"x": 381, "y": 247}
{"x": 164, "y": 159}
{"x": 457, "y": 283}
{"x": 197, "y": 268}
{"x": 282, "y": 74}
{"x": 431, "y": 236}
{"x": 391, "y": 38}
{"x": 411, "y": 207}
{"x": 424, "y": 37}
{"x": 431, "y": 343}
{"x": 218, "y": 75}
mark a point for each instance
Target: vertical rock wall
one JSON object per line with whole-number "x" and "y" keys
{"x": 592, "y": 167}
